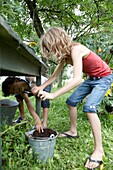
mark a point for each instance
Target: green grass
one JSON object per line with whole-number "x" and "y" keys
{"x": 69, "y": 154}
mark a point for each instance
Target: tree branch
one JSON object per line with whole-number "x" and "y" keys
{"x": 34, "y": 15}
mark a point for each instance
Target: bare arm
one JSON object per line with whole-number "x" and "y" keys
{"x": 50, "y": 80}
{"x": 55, "y": 74}
{"x": 33, "y": 113}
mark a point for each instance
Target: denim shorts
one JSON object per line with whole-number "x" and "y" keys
{"x": 46, "y": 103}
{"x": 94, "y": 90}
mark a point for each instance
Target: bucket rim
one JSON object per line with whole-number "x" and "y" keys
{"x": 29, "y": 136}
{"x": 15, "y": 104}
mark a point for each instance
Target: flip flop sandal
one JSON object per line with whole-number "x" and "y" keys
{"x": 100, "y": 163}
{"x": 68, "y": 136}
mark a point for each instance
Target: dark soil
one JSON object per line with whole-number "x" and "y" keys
{"x": 45, "y": 133}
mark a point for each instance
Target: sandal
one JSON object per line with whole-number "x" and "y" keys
{"x": 18, "y": 120}
{"x": 100, "y": 163}
{"x": 65, "y": 135}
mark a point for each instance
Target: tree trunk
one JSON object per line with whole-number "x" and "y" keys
{"x": 38, "y": 27}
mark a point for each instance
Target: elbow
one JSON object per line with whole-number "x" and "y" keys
{"x": 81, "y": 80}
{"x": 53, "y": 78}
{"x": 78, "y": 81}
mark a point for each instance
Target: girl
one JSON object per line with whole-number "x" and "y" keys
{"x": 56, "y": 42}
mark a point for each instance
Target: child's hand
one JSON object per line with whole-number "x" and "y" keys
{"x": 39, "y": 128}
{"x": 36, "y": 89}
{"x": 45, "y": 95}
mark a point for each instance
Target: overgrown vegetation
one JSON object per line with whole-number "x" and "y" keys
{"x": 69, "y": 154}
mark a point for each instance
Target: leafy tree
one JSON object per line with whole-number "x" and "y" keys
{"x": 77, "y": 17}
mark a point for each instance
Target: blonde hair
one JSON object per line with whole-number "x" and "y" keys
{"x": 56, "y": 42}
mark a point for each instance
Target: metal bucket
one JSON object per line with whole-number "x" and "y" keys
{"x": 43, "y": 147}
{"x": 7, "y": 110}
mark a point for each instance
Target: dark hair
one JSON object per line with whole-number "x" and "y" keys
{"x": 5, "y": 85}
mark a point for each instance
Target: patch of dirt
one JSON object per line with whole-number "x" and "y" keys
{"x": 45, "y": 133}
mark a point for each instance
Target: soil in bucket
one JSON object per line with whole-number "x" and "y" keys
{"x": 45, "y": 133}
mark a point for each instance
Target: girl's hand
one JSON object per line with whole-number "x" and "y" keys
{"x": 45, "y": 95}
{"x": 36, "y": 89}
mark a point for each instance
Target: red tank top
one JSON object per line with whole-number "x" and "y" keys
{"x": 94, "y": 66}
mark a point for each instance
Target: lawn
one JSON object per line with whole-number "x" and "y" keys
{"x": 69, "y": 154}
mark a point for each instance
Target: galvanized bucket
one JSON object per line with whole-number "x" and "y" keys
{"x": 43, "y": 147}
{"x": 7, "y": 110}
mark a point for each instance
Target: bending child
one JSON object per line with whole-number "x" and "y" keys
{"x": 21, "y": 88}
{"x": 56, "y": 42}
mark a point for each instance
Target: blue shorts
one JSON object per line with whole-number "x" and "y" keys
{"x": 46, "y": 103}
{"x": 95, "y": 89}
